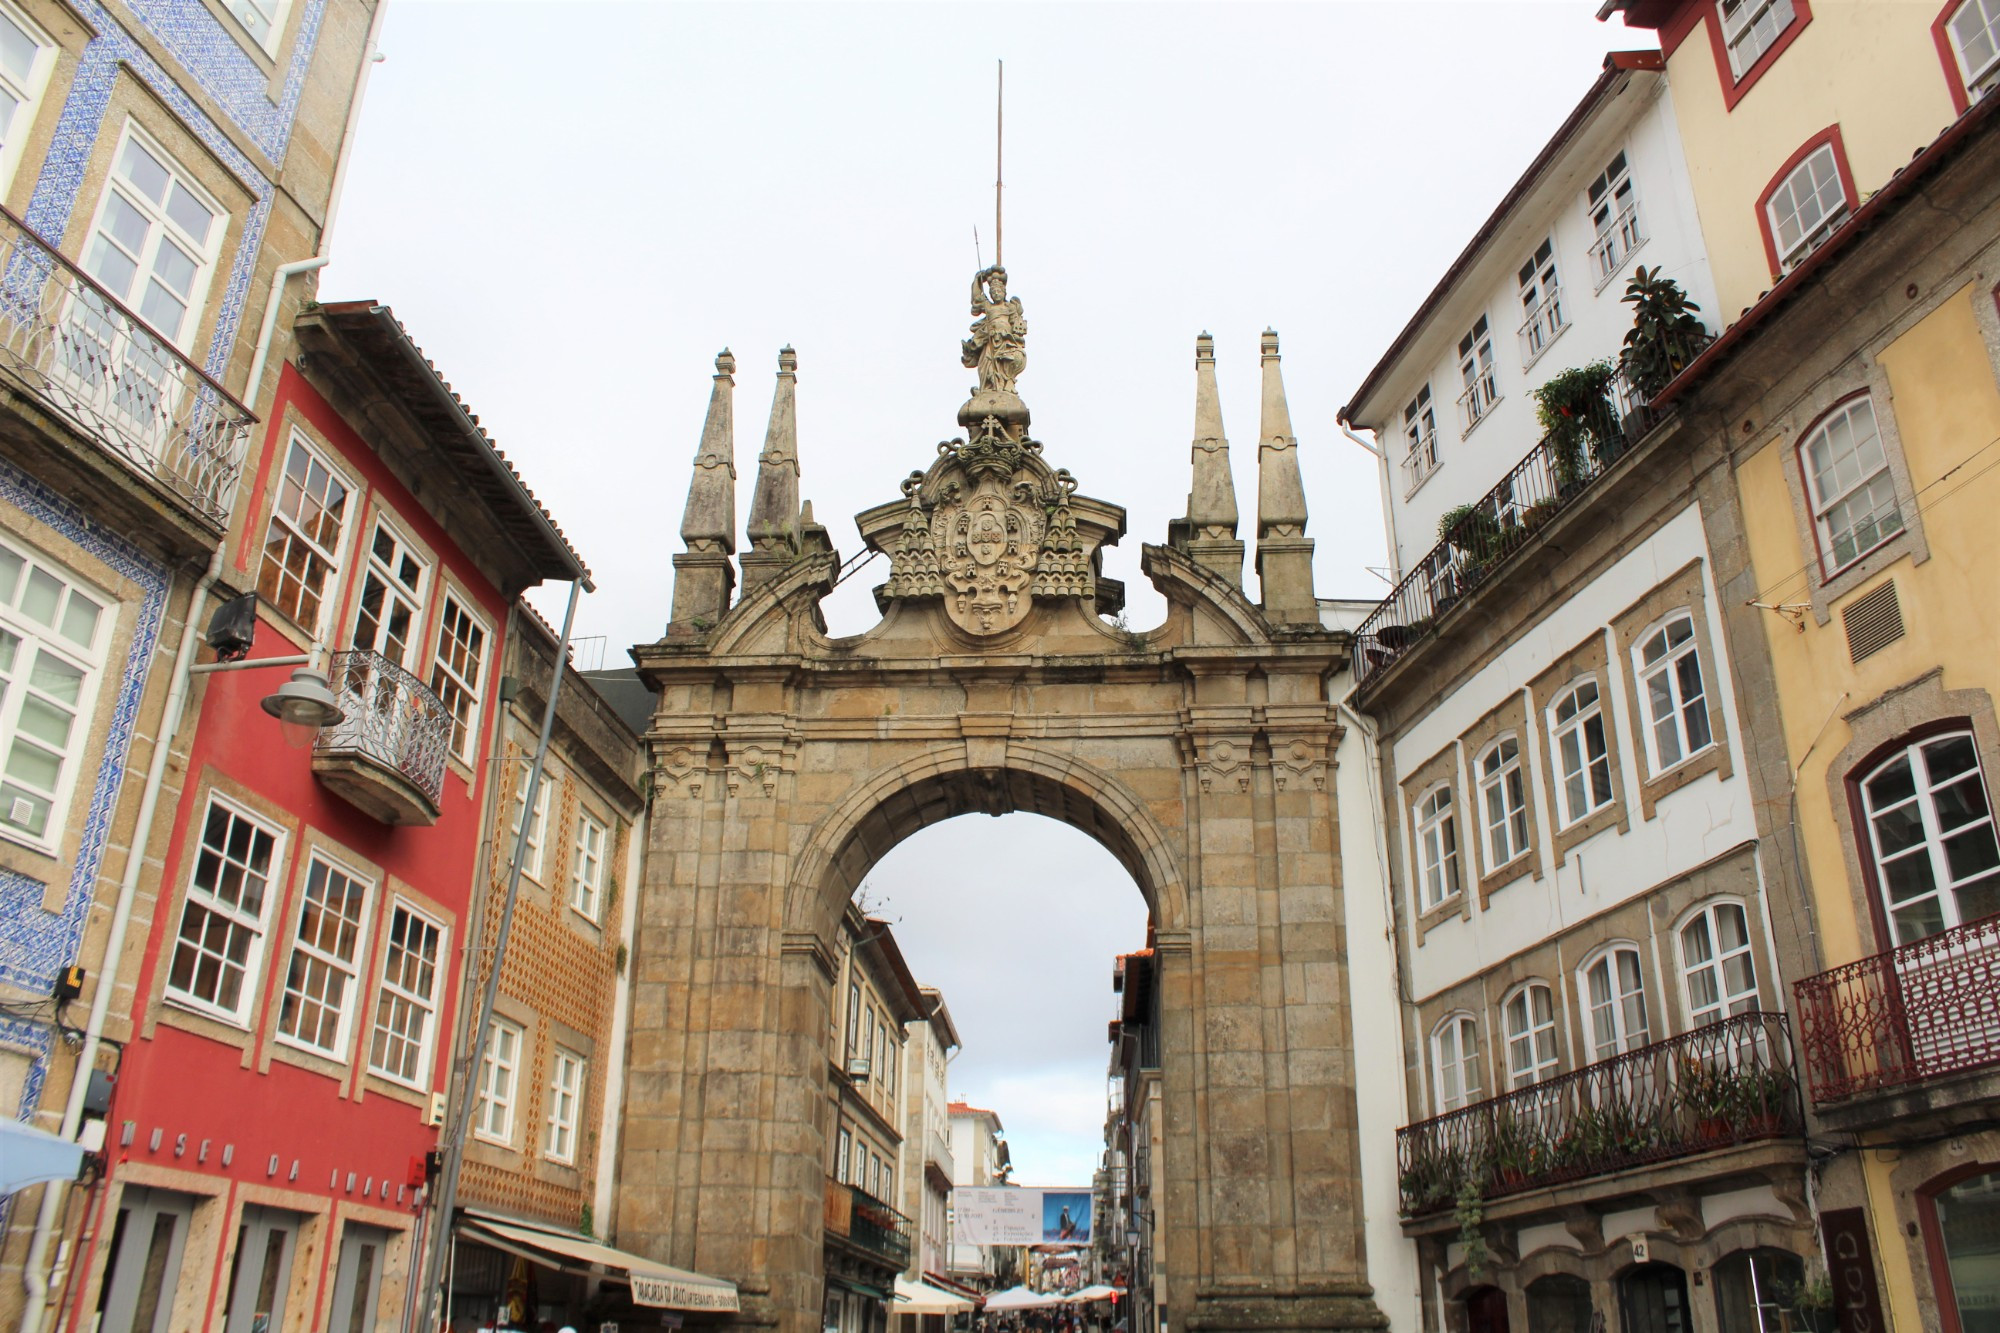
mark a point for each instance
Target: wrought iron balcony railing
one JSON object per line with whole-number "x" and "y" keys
{"x": 1920, "y": 1011}
{"x": 867, "y": 1223}
{"x": 1730, "y": 1082}
{"x": 393, "y": 719}
{"x": 1554, "y": 474}
{"x": 88, "y": 358}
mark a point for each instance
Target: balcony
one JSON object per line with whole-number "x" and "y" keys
{"x": 1544, "y": 324}
{"x": 387, "y": 756}
{"x": 1726, "y": 1084}
{"x": 81, "y": 354}
{"x": 1619, "y": 237}
{"x": 867, "y": 1224}
{"x": 1554, "y": 475}
{"x": 1927, "y": 1010}
{"x": 1420, "y": 462}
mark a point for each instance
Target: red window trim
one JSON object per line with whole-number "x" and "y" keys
{"x": 1826, "y": 575}
{"x": 1954, "y": 77}
{"x": 1933, "y": 1233}
{"x": 1829, "y": 135}
{"x": 1857, "y": 809}
{"x": 1733, "y": 88}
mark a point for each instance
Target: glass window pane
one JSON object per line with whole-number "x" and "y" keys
{"x": 17, "y": 51}
{"x": 43, "y": 595}
{"x": 79, "y": 620}
{"x": 189, "y": 213}
{"x": 1970, "y": 853}
{"x": 1908, "y": 877}
{"x": 144, "y": 170}
{"x": 34, "y": 765}
{"x": 57, "y": 678}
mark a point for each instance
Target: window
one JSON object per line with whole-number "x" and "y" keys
{"x": 1615, "y": 999}
{"x": 1541, "y": 300}
{"x": 455, "y": 677}
{"x": 1756, "y": 1291}
{"x": 1455, "y": 1056}
{"x": 1968, "y": 1215}
{"x": 1614, "y": 219}
{"x": 302, "y": 544}
{"x": 52, "y": 639}
{"x": 1437, "y": 846}
{"x": 493, "y": 1116}
{"x": 1420, "y": 434}
{"x": 152, "y": 247}
{"x": 888, "y": 1058}
{"x": 1670, "y": 678}
{"x": 264, "y": 20}
{"x": 221, "y": 938}
{"x": 1504, "y": 799}
{"x": 1530, "y": 1014}
{"x": 853, "y": 1019}
{"x": 1750, "y": 27}
{"x": 26, "y": 57}
{"x": 1476, "y": 370}
{"x": 1930, "y": 837}
{"x": 538, "y": 824}
{"x": 1847, "y": 479}
{"x": 842, "y": 1145}
{"x": 408, "y": 1001}
{"x": 1806, "y": 206}
{"x": 565, "y": 1102}
{"x": 1717, "y": 965}
{"x": 325, "y": 958}
{"x": 586, "y": 887}
{"x": 392, "y": 597}
{"x": 1583, "y": 757}
{"x": 1975, "y": 41}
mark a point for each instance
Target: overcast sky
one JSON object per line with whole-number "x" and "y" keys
{"x": 573, "y": 207}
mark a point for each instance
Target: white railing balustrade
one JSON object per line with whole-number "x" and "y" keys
{"x": 392, "y": 718}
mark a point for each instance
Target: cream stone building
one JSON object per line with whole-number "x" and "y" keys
{"x": 931, "y": 1044}
{"x": 979, "y": 1157}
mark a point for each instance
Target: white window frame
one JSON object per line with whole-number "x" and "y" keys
{"x": 161, "y": 228}
{"x": 843, "y": 1150}
{"x": 1479, "y": 373}
{"x": 499, "y": 1085}
{"x": 1616, "y": 1019}
{"x": 255, "y": 924}
{"x": 1541, "y": 302}
{"x": 1587, "y": 765}
{"x": 1929, "y": 848}
{"x": 1503, "y": 801}
{"x": 566, "y": 1088}
{"x": 84, "y": 658}
{"x": 1752, "y": 27}
{"x": 395, "y": 995}
{"x": 1439, "y": 876}
{"x": 394, "y": 589}
{"x": 538, "y": 825}
{"x": 1420, "y": 438}
{"x": 1456, "y": 1078}
{"x": 26, "y": 89}
{"x": 1707, "y": 964}
{"x": 1612, "y": 203}
{"x": 262, "y": 21}
{"x": 1666, "y": 668}
{"x": 1982, "y": 80}
{"x": 345, "y": 972}
{"x": 586, "y": 881}
{"x": 333, "y": 558}
{"x": 1806, "y": 184}
{"x": 1876, "y": 485}
{"x": 1532, "y": 1055}
{"x": 446, "y": 678}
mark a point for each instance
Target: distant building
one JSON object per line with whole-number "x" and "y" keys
{"x": 1128, "y": 1235}
{"x": 979, "y": 1158}
{"x": 926, "y": 1174}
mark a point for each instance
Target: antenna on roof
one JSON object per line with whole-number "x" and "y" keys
{"x": 999, "y": 138}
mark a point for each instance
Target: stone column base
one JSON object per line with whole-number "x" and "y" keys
{"x": 1332, "y": 1308}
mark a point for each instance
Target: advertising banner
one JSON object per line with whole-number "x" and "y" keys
{"x": 1011, "y": 1216}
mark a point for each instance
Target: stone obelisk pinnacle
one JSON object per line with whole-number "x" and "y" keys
{"x": 1284, "y": 552}
{"x": 703, "y": 576}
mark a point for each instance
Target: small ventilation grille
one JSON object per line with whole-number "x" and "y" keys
{"x": 1873, "y": 622}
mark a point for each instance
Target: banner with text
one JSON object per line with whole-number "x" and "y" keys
{"x": 1013, "y": 1216}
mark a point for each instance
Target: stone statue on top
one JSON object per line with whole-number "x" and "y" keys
{"x": 998, "y": 345}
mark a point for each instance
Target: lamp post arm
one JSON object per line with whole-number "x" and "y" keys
{"x": 293, "y": 659}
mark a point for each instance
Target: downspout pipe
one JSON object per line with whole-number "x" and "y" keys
{"x": 442, "y": 1229}
{"x": 33, "y": 1278}
{"x": 1388, "y": 509}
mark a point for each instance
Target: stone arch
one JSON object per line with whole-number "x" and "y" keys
{"x": 901, "y": 798}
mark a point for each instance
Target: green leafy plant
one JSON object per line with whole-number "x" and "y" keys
{"x": 1470, "y": 1213}
{"x": 1666, "y": 333}
{"x": 1811, "y": 1299}
{"x": 1433, "y": 1177}
{"x": 1707, "y": 1090}
{"x": 1576, "y": 413}
{"x": 1521, "y": 1148}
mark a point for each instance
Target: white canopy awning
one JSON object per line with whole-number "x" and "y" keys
{"x": 1100, "y": 1292}
{"x": 1020, "y": 1298}
{"x": 656, "y": 1284}
{"x": 30, "y": 1156}
{"x": 923, "y": 1298}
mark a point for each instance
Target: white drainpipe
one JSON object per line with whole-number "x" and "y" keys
{"x": 1388, "y": 509}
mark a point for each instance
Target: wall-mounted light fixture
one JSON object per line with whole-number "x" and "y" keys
{"x": 303, "y": 705}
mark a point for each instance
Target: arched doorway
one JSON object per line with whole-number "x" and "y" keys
{"x": 784, "y": 764}
{"x": 1653, "y": 1298}
{"x": 1486, "y": 1310}
{"x": 1559, "y": 1303}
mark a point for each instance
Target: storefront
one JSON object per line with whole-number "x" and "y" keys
{"x": 509, "y": 1274}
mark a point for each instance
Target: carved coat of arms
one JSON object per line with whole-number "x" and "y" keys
{"x": 991, "y": 545}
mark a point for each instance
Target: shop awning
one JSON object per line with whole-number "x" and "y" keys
{"x": 923, "y": 1298}
{"x": 31, "y": 1156}
{"x": 872, "y": 1292}
{"x": 655, "y": 1284}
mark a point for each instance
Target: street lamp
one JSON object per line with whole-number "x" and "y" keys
{"x": 303, "y": 706}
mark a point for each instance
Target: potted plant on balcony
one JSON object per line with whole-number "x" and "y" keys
{"x": 1477, "y": 536}
{"x": 1576, "y": 412}
{"x": 1763, "y": 1096}
{"x": 1520, "y": 1151}
{"x": 1665, "y": 335}
{"x": 1709, "y": 1093}
{"x": 1432, "y": 1176}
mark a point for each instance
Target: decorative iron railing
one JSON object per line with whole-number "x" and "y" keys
{"x": 1730, "y": 1082}
{"x": 868, "y": 1223}
{"x": 1554, "y": 473}
{"x": 102, "y": 368}
{"x": 1478, "y": 399}
{"x": 392, "y": 719}
{"x": 1420, "y": 461}
{"x": 1917, "y": 1012}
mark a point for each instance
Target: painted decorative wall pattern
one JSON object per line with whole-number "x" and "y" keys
{"x": 33, "y": 943}
{"x": 213, "y": 55}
